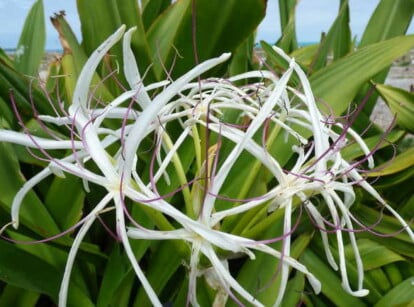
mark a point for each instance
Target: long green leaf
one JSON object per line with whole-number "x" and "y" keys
{"x": 288, "y": 40}
{"x": 18, "y": 297}
{"x": 74, "y": 57}
{"x": 23, "y": 90}
{"x": 99, "y": 19}
{"x": 394, "y": 18}
{"x": 152, "y": 9}
{"x": 31, "y": 46}
{"x": 401, "y": 103}
{"x": 331, "y": 284}
{"x": 21, "y": 269}
{"x": 187, "y": 23}
{"x": 400, "y": 295}
{"x": 338, "y": 83}
{"x": 32, "y": 213}
{"x": 162, "y": 266}
{"x": 373, "y": 254}
{"x": 338, "y": 39}
{"x": 400, "y": 163}
{"x": 64, "y": 200}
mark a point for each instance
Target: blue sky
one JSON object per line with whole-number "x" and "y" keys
{"x": 313, "y": 17}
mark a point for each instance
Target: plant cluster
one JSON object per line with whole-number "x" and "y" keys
{"x": 179, "y": 168}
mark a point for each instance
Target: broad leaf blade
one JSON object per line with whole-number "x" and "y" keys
{"x": 400, "y": 295}
{"x": 401, "y": 103}
{"x": 31, "y": 46}
{"x": 394, "y": 18}
{"x": 400, "y": 163}
{"x": 288, "y": 41}
{"x": 338, "y": 83}
{"x": 176, "y": 34}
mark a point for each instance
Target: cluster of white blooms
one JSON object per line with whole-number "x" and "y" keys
{"x": 195, "y": 105}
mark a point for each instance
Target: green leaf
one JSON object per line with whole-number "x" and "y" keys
{"x": 64, "y": 201}
{"x": 278, "y": 62}
{"x": 394, "y": 18}
{"x": 32, "y": 213}
{"x": 21, "y": 269}
{"x": 354, "y": 150}
{"x": 99, "y": 19}
{"x": 164, "y": 262}
{"x": 242, "y": 57}
{"x": 18, "y": 297}
{"x": 74, "y": 57}
{"x": 23, "y": 90}
{"x": 394, "y": 273}
{"x": 116, "y": 271}
{"x": 400, "y": 163}
{"x": 171, "y": 36}
{"x": 6, "y": 113}
{"x": 338, "y": 83}
{"x": 294, "y": 290}
{"x": 287, "y": 41}
{"x": 261, "y": 276}
{"x": 401, "y": 103}
{"x": 24, "y": 270}
{"x": 304, "y": 55}
{"x": 401, "y": 294}
{"x": 31, "y": 46}
{"x": 338, "y": 39}
{"x": 331, "y": 284}
{"x": 152, "y": 10}
{"x": 388, "y": 182}
{"x": 373, "y": 254}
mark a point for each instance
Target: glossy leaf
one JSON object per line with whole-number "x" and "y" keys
{"x": 171, "y": 36}
{"x": 33, "y": 213}
{"x": 152, "y": 9}
{"x": 24, "y": 270}
{"x": 65, "y": 199}
{"x": 23, "y": 90}
{"x": 374, "y": 255}
{"x": 18, "y": 297}
{"x": 394, "y": 17}
{"x": 164, "y": 263}
{"x": 337, "y": 42}
{"x": 399, "y": 295}
{"x": 331, "y": 284}
{"x": 338, "y": 83}
{"x": 400, "y": 163}
{"x": 401, "y": 104}
{"x": 288, "y": 40}
{"x": 354, "y": 151}
{"x": 74, "y": 57}
{"x": 31, "y": 46}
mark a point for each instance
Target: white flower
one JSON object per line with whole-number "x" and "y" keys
{"x": 202, "y": 106}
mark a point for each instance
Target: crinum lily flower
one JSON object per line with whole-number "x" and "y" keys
{"x": 199, "y": 109}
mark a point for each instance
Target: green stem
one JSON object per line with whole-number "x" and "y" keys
{"x": 181, "y": 177}
{"x": 241, "y": 223}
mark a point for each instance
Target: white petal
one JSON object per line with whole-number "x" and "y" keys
{"x": 131, "y": 71}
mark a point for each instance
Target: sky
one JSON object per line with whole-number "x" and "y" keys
{"x": 313, "y": 17}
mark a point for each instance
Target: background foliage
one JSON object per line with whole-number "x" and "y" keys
{"x": 175, "y": 37}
